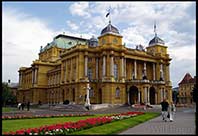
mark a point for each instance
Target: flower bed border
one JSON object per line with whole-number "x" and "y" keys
{"x": 18, "y": 116}
{"x": 69, "y": 127}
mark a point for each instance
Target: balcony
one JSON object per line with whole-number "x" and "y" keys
{"x": 157, "y": 82}
{"x": 145, "y": 81}
{"x": 137, "y": 81}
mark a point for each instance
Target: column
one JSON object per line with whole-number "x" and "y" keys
{"x": 104, "y": 66}
{"x": 161, "y": 71}
{"x": 35, "y": 76}
{"x": 96, "y": 68}
{"x": 153, "y": 71}
{"x": 122, "y": 65}
{"x": 56, "y": 78}
{"x": 155, "y": 97}
{"x": 71, "y": 70}
{"x": 161, "y": 94}
{"x": 19, "y": 79}
{"x": 62, "y": 72}
{"x": 135, "y": 69}
{"x": 164, "y": 93}
{"x": 32, "y": 76}
{"x": 53, "y": 79}
{"x": 145, "y": 94}
{"x": 86, "y": 59}
{"x": 76, "y": 69}
{"x": 65, "y": 71}
{"x": 50, "y": 78}
{"x": 138, "y": 96}
{"x": 112, "y": 65}
{"x": 125, "y": 67}
{"x": 144, "y": 68}
{"x": 148, "y": 95}
{"x": 168, "y": 74}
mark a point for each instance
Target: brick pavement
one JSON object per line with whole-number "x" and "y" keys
{"x": 184, "y": 123}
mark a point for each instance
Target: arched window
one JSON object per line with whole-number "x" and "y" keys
{"x": 117, "y": 92}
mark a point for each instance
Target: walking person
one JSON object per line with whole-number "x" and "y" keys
{"x": 28, "y": 105}
{"x": 22, "y": 105}
{"x": 19, "y": 106}
{"x": 172, "y": 110}
{"x": 164, "y": 105}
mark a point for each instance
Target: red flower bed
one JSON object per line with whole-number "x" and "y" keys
{"x": 19, "y": 116}
{"x": 69, "y": 127}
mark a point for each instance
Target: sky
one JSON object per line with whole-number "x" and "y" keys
{"x": 28, "y": 25}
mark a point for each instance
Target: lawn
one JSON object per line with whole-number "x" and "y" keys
{"x": 117, "y": 126}
{"x": 13, "y": 125}
{"x": 8, "y": 109}
{"x": 110, "y": 128}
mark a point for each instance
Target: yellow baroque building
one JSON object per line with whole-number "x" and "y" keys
{"x": 116, "y": 74}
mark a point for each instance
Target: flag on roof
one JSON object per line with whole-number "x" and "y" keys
{"x": 107, "y": 14}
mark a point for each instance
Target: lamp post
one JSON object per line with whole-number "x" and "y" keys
{"x": 87, "y": 103}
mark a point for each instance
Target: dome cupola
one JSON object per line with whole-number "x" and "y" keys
{"x": 110, "y": 29}
{"x": 93, "y": 42}
{"x": 156, "y": 40}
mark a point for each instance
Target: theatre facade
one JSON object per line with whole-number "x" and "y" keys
{"x": 116, "y": 74}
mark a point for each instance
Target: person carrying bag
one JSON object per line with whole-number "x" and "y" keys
{"x": 172, "y": 110}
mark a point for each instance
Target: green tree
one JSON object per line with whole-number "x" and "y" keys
{"x": 7, "y": 95}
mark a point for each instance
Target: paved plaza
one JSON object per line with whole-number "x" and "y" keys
{"x": 184, "y": 122}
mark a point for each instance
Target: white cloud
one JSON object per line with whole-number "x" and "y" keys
{"x": 80, "y": 9}
{"x": 22, "y": 37}
{"x": 183, "y": 53}
{"x": 132, "y": 35}
{"x": 72, "y": 25}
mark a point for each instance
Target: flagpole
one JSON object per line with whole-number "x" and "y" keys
{"x": 109, "y": 14}
{"x": 155, "y": 28}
